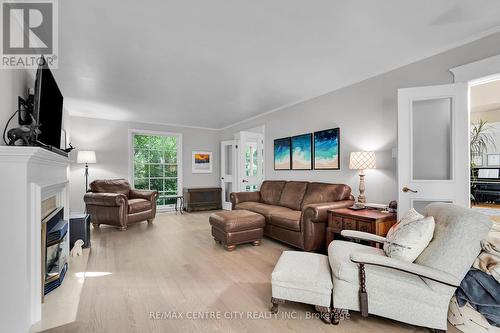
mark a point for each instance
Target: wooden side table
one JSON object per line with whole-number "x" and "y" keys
{"x": 367, "y": 220}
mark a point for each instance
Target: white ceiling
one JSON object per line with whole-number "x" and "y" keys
{"x": 212, "y": 63}
{"x": 485, "y": 97}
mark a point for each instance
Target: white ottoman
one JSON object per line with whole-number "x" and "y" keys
{"x": 302, "y": 277}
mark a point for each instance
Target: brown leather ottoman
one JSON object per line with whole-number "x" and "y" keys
{"x": 234, "y": 227}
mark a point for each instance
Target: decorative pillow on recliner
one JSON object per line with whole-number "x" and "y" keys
{"x": 409, "y": 237}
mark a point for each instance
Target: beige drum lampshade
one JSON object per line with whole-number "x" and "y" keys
{"x": 86, "y": 157}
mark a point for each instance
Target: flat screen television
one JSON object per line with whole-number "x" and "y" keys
{"x": 48, "y": 107}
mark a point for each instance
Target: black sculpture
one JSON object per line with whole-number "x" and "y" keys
{"x": 26, "y": 133}
{"x": 67, "y": 150}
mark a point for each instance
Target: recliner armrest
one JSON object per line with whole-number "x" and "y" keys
{"x": 143, "y": 194}
{"x": 318, "y": 212}
{"x": 353, "y": 234}
{"x": 105, "y": 199}
{"x": 408, "y": 267}
{"x": 239, "y": 197}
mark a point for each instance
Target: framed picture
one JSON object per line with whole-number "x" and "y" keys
{"x": 327, "y": 149}
{"x": 493, "y": 159}
{"x": 302, "y": 152}
{"x": 282, "y": 154}
{"x": 477, "y": 160}
{"x": 202, "y": 162}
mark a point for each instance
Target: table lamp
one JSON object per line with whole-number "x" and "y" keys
{"x": 362, "y": 160}
{"x": 86, "y": 157}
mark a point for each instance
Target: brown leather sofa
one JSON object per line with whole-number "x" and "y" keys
{"x": 295, "y": 212}
{"x": 114, "y": 202}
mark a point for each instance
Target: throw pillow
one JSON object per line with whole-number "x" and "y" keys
{"x": 409, "y": 237}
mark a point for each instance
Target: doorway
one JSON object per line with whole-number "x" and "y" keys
{"x": 242, "y": 164}
{"x": 418, "y": 186}
{"x": 485, "y": 148}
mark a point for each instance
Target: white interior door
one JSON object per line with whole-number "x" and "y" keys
{"x": 433, "y": 146}
{"x": 228, "y": 171}
{"x": 251, "y": 171}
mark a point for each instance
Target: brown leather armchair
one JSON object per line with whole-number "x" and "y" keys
{"x": 114, "y": 202}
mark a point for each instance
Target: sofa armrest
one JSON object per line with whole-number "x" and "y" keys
{"x": 239, "y": 197}
{"x": 105, "y": 199}
{"x": 408, "y": 267}
{"x": 353, "y": 234}
{"x": 318, "y": 212}
{"x": 143, "y": 194}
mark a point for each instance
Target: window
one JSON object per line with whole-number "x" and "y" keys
{"x": 156, "y": 164}
{"x": 251, "y": 160}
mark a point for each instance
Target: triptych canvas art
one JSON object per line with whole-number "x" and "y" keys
{"x": 319, "y": 150}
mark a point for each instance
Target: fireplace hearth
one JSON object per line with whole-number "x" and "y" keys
{"x": 55, "y": 253}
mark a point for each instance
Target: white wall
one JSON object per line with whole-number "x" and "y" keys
{"x": 491, "y": 116}
{"x": 366, "y": 113}
{"x": 109, "y": 139}
{"x": 13, "y": 83}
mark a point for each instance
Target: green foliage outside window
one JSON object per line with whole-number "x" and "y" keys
{"x": 155, "y": 165}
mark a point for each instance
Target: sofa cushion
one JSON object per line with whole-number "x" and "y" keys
{"x": 111, "y": 186}
{"x": 138, "y": 205}
{"x": 292, "y": 195}
{"x": 323, "y": 192}
{"x": 270, "y": 191}
{"x": 288, "y": 220}
{"x": 248, "y": 205}
{"x": 263, "y": 209}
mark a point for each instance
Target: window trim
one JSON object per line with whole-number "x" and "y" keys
{"x": 132, "y": 132}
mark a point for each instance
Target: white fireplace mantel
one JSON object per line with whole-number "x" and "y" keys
{"x": 28, "y": 175}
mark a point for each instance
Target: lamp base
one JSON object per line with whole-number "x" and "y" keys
{"x": 362, "y": 197}
{"x": 86, "y": 177}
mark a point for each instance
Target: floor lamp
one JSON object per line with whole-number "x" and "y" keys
{"x": 362, "y": 160}
{"x": 86, "y": 157}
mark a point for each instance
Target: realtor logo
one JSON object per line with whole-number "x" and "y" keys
{"x": 29, "y": 30}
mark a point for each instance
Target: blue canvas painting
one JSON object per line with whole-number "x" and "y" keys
{"x": 326, "y": 149}
{"x": 282, "y": 154}
{"x": 302, "y": 152}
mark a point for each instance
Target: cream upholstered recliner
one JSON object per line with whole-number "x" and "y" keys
{"x": 417, "y": 293}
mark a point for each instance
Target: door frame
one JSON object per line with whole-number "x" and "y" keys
{"x": 476, "y": 73}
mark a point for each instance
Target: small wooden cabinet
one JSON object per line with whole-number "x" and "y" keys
{"x": 202, "y": 198}
{"x": 366, "y": 220}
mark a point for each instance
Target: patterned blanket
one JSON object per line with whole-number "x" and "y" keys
{"x": 488, "y": 260}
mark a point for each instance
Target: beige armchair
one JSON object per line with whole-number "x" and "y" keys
{"x": 113, "y": 202}
{"x": 418, "y": 293}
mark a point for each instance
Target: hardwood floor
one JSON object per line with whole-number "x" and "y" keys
{"x": 490, "y": 206}
{"x": 174, "y": 265}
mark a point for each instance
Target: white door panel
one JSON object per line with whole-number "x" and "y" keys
{"x": 228, "y": 170}
{"x": 433, "y": 146}
{"x": 251, "y": 169}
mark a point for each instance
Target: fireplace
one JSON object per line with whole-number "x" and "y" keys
{"x": 29, "y": 176}
{"x": 55, "y": 250}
